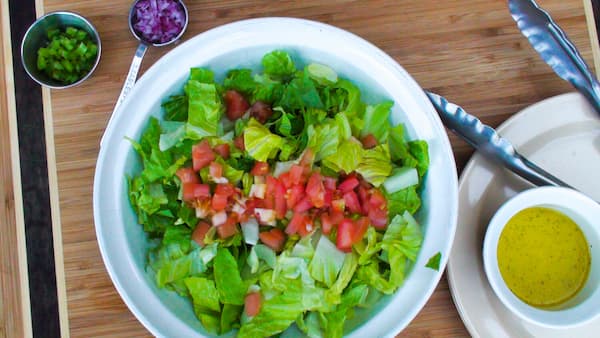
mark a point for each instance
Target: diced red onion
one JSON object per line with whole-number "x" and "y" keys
{"x": 158, "y": 21}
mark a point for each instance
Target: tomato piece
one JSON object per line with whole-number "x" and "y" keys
{"x": 349, "y": 184}
{"x": 238, "y": 142}
{"x": 285, "y": 179}
{"x": 274, "y": 239}
{"x": 378, "y": 218}
{"x": 294, "y": 195}
{"x": 363, "y": 197}
{"x": 269, "y": 199}
{"x": 303, "y": 205}
{"x": 280, "y": 202}
{"x": 297, "y": 174}
{"x": 352, "y": 203}
{"x": 295, "y": 223}
{"x": 192, "y": 191}
{"x": 369, "y": 141}
{"x": 260, "y": 168}
{"x": 252, "y": 303}
{"x": 345, "y": 235}
{"x": 219, "y": 202}
{"x": 222, "y": 149}
{"x": 326, "y": 223}
{"x": 215, "y": 170}
{"x": 329, "y": 182}
{"x": 225, "y": 189}
{"x": 229, "y": 228}
{"x": 199, "y": 232}
{"x": 336, "y": 217}
{"x": 236, "y": 105}
{"x": 315, "y": 190}
{"x": 361, "y": 226}
{"x": 202, "y": 155}
{"x": 328, "y": 198}
{"x": 187, "y": 175}
{"x": 338, "y": 205}
{"x": 306, "y": 227}
{"x": 377, "y": 200}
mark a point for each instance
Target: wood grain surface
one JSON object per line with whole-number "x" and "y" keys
{"x": 467, "y": 50}
{"x": 15, "y": 320}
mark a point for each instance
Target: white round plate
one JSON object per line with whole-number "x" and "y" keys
{"x": 560, "y": 134}
{"x": 123, "y": 243}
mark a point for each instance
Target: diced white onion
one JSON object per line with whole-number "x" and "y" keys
{"x": 219, "y": 218}
{"x": 266, "y": 216}
{"x": 258, "y": 190}
{"x": 250, "y": 231}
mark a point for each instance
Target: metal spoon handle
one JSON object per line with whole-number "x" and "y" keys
{"x": 555, "y": 48}
{"x": 491, "y": 145}
{"x": 129, "y": 81}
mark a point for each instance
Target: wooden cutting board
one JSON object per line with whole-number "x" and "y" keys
{"x": 467, "y": 50}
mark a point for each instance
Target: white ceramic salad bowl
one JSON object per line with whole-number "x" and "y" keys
{"x": 122, "y": 241}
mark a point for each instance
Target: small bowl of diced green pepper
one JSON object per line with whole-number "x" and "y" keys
{"x": 60, "y": 50}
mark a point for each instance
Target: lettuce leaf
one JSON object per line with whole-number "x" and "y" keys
{"x": 327, "y": 262}
{"x": 377, "y": 122}
{"x": 347, "y": 158}
{"x": 203, "y": 75}
{"x": 419, "y": 150}
{"x": 176, "y": 108}
{"x": 240, "y": 80}
{"x": 205, "y": 109}
{"x": 231, "y": 287}
{"x": 375, "y": 165}
{"x": 404, "y": 200}
{"x": 278, "y": 64}
{"x": 323, "y": 139}
{"x": 260, "y": 143}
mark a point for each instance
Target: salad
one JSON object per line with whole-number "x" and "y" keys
{"x": 278, "y": 201}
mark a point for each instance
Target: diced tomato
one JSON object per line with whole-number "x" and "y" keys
{"x": 294, "y": 195}
{"x": 274, "y": 239}
{"x": 338, "y": 205}
{"x": 215, "y": 170}
{"x": 238, "y": 142}
{"x": 328, "y": 198}
{"x": 200, "y": 232}
{"x": 378, "y": 218}
{"x": 336, "y": 217}
{"x": 352, "y": 203}
{"x": 303, "y": 205}
{"x": 225, "y": 189}
{"x": 369, "y": 141}
{"x": 345, "y": 235}
{"x": 187, "y": 175}
{"x": 361, "y": 226}
{"x": 219, "y": 202}
{"x": 307, "y": 226}
{"x": 191, "y": 191}
{"x": 297, "y": 174}
{"x": 363, "y": 198}
{"x": 377, "y": 200}
{"x": 252, "y": 303}
{"x": 349, "y": 184}
{"x": 329, "y": 182}
{"x": 295, "y": 223}
{"x": 269, "y": 199}
{"x": 260, "y": 168}
{"x": 222, "y": 149}
{"x": 326, "y": 223}
{"x": 280, "y": 203}
{"x": 285, "y": 179}
{"x": 202, "y": 155}
{"x": 229, "y": 228}
{"x": 236, "y": 105}
{"x": 315, "y": 190}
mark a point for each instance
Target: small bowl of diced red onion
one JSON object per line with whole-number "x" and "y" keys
{"x": 158, "y": 22}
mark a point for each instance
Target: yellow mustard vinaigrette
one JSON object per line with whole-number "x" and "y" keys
{"x": 543, "y": 257}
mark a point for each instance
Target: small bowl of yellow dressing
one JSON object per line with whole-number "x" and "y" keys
{"x": 541, "y": 255}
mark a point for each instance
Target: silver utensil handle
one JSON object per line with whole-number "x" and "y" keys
{"x": 490, "y": 144}
{"x": 555, "y": 48}
{"x": 129, "y": 81}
